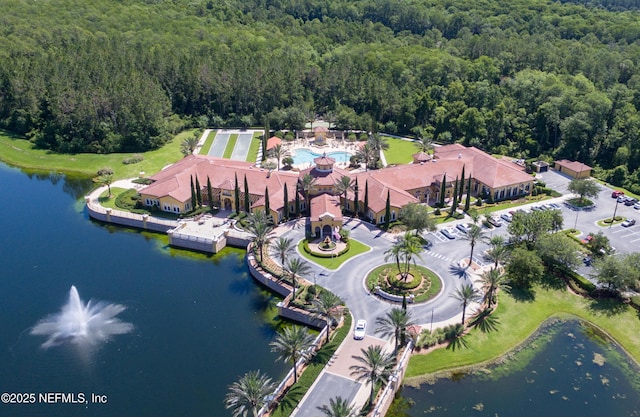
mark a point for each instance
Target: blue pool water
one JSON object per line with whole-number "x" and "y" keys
{"x": 305, "y": 156}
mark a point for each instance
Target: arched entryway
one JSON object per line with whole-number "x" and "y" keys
{"x": 227, "y": 204}
{"x": 326, "y": 230}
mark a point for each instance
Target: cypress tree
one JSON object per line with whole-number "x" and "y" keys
{"x": 265, "y": 138}
{"x": 461, "y": 186}
{"x": 198, "y": 192}
{"x": 443, "y": 189}
{"x": 454, "y": 203}
{"x": 247, "y": 200}
{"x": 365, "y": 208}
{"x": 267, "y": 208}
{"x": 355, "y": 199}
{"x": 209, "y": 192}
{"x": 194, "y": 198}
{"x": 285, "y": 210}
{"x": 467, "y": 202}
{"x": 237, "y": 196}
{"x": 404, "y": 302}
{"x": 387, "y": 214}
{"x": 297, "y": 201}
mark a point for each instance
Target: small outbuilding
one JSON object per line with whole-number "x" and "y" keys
{"x": 574, "y": 169}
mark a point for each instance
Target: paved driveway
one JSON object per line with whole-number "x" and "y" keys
{"x": 219, "y": 144}
{"x": 241, "y": 149}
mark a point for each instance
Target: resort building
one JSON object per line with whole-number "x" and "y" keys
{"x": 574, "y": 169}
{"x": 420, "y": 182}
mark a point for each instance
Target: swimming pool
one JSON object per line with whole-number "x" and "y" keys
{"x": 305, "y": 156}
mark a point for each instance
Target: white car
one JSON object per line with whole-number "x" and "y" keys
{"x": 464, "y": 227}
{"x": 361, "y": 328}
{"x": 507, "y": 217}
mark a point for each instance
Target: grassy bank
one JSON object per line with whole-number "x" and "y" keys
{"x": 519, "y": 317}
{"x": 400, "y": 151}
{"x": 17, "y": 151}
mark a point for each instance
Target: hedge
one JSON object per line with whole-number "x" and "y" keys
{"x": 305, "y": 246}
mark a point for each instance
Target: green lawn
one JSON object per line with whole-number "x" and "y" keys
{"x": 399, "y": 151}
{"x": 206, "y": 146}
{"x": 519, "y": 319}
{"x": 18, "y": 151}
{"x": 253, "y": 148}
{"x": 230, "y": 145}
{"x": 105, "y": 201}
{"x": 334, "y": 263}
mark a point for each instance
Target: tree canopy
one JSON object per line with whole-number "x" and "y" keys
{"x": 527, "y": 78}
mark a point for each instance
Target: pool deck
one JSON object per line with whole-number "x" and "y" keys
{"x": 331, "y": 146}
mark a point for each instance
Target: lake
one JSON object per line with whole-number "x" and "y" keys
{"x": 200, "y": 322}
{"x": 568, "y": 370}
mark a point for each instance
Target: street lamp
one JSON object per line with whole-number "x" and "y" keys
{"x": 614, "y": 213}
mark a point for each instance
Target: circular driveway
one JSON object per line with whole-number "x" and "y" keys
{"x": 348, "y": 280}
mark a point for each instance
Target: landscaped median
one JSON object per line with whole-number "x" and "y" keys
{"x": 329, "y": 260}
{"x": 518, "y": 318}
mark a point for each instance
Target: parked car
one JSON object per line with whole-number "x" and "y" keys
{"x": 616, "y": 194}
{"x": 494, "y": 221}
{"x": 464, "y": 227}
{"x": 622, "y": 198}
{"x": 555, "y": 206}
{"x": 587, "y": 239}
{"x": 536, "y": 208}
{"x": 587, "y": 260}
{"x": 636, "y": 206}
{"x": 361, "y": 328}
{"x": 630, "y": 201}
{"x": 448, "y": 233}
{"x": 628, "y": 223}
{"x": 507, "y": 217}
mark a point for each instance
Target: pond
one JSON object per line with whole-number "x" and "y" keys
{"x": 199, "y": 322}
{"x": 569, "y": 369}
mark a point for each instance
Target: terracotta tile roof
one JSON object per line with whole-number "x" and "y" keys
{"x": 324, "y": 160}
{"x": 273, "y": 141}
{"x": 573, "y": 165}
{"x": 421, "y": 157}
{"x": 175, "y": 180}
{"x": 493, "y": 172}
{"x": 324, "y": 178}
{"x": 324, "y": 204}
{"x": 378, "y": 191}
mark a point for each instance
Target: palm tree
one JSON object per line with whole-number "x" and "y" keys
{"x": 261, "y": 229}
{"x": 395, "y": 323}
{"x": 307, "y": 183}
{"x": 402, "y": 251}
{"x": 498, "y": 251}
{"x": 379, "y": 144}
{"x": 326, "y": 307}
{"x": 343, "y": 186}
{"x": 189, "y": 145}
{"x": 281, "y": 247}
{"x": 338, "y": 408}
{"x": 491, "y": 281}
{"x": 474, "y": 235}
{"x": 106, "y": 179}
{"x": 279, "y": 153}
{"x": 296, "y": 266}
{"x": 366, "y": 153}
{"x": 376, "y": 366}
{"x": 424, "y": 142}
{"x": 466, "y": 294}
{"x": 248, "y": 394}
{"x": 295, "y": 342}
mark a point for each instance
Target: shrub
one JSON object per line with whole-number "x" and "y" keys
{"x": 134, "y": 159}
{"x": 635, "y": 302}
{"x": 143, "y": 181}
{"x": 399, "y": 283}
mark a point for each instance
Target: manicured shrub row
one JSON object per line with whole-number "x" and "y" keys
{"x": 134, "y": 159}
{"x": 399, "y": 283}
{"x": 635, "y": 302}
{"x": 305, "y": 246}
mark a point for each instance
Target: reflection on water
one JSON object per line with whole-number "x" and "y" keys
{"x": 569, "y": 369}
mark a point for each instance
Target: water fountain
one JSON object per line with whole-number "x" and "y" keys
{"x": 82, "y": 324}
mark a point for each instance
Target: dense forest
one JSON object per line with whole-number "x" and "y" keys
{"x": 559, "y": 79}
